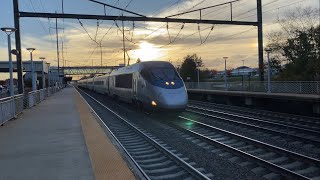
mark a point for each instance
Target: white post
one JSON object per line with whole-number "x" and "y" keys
{"x": 43, "y": 77}
{"x": 269, "y": 73}
{"x": 49, "y": 85}
{"x": 198, "y": 78}
{"x": 225, "y": 73}
{"x": 43, "y": 80}
{"x": 10, "y": 67}
{"x": 34, "y": 88}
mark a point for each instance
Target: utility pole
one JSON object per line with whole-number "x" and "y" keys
{"x": 225, "y": 73}
{"x": 63, "y": 63}
{"x": 18, "y": 45}
{"x": 260, "y": 40}
{"x": 268, "y": 50}
{"x": 124, "y": 45}
{"x": 58, "y": 56}
{"x": 100, "y": 54}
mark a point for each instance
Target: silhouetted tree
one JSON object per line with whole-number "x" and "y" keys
{"x": 189, "y": 67}
{"x": 297, "y": 44}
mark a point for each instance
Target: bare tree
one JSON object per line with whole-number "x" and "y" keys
{"x": 298, "y": 19}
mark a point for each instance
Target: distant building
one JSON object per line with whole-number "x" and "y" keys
{"x": 244, "y": 71}
{"x": 220, "y": 74}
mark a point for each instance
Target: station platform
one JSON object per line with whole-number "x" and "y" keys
{"x": 59, "y": 139}
{"x": 283, "y": 102}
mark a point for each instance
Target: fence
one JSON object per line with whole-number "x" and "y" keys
{"x": 296, "y": 87}
{"x": 10, "y": 107}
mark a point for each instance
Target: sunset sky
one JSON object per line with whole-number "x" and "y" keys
{"x": 148, "y": 40}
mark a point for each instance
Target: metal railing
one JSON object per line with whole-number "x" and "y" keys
{"x": 12, "y": 106}
{"x": 295, "y": 87}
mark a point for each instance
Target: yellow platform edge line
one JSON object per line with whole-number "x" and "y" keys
{"x": 106, "y": 161}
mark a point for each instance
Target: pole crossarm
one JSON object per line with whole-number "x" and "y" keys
{"x": 187, "y": 12}
{"x": 131, "y": 18}
{"x": 116, "y": 8}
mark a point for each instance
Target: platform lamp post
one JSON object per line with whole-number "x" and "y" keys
{"x": 34, "y": 88}
{"x": 268, "y": 50}
{"x": 9, "y": 31}
{"x": 225, "y": 73}
{"x": 43, "y": 78}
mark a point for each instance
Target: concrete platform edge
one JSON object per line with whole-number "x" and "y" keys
{"x": 123, "y": 154}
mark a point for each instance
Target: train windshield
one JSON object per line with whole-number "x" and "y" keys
{"x": 165, "y": 77}
{"x": 166, "y": 74}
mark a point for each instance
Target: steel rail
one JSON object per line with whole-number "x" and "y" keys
{"x": 262, "y": 162}
{"x": 292, "y": 136}
{"x": 255, "y": 120}
{"x": 311, "y": 121}
{"x": 196, "y": 173}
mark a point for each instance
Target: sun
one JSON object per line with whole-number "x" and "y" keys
{"x": 147, "y": 52}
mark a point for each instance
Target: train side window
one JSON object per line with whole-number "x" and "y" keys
{"x": 123, "y": 81}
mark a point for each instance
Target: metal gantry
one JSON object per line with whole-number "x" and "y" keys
{"x": 141, "y": 18}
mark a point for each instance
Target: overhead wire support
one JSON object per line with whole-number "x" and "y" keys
{"x": 178, "y": 33}
{"x": 140, "y": 18}
{"x": 207, "y": 35}
{"x": 231, "y": 11}
{"x": 174, "y": 37}
{"x": 134, "y": 18}
{"x": 187, "y": 12}
{"x": 121, "y": 9}
{"x": 199, "y": 33}
{"x": 168, "y": 32}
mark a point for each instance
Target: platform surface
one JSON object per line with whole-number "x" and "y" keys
{"x": 49, "y": 141}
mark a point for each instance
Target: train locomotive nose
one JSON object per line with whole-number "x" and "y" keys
{"x": 176, "y": 100}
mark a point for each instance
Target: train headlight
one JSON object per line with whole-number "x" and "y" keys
{"x": 153, "y": 103}
{"x": 172, "y": 83}
{"x": 167, "y": 83}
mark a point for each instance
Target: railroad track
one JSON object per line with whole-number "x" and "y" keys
{"x": 286, "y": 131}
{"x": 304, "y": 122}
{"x": 273, "y": 160}
{"x": 154, "y": 159}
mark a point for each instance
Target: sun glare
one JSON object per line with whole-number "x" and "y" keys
{"x": 147, "y": 52}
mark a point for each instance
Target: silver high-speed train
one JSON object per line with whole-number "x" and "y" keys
{"x": 151, "y": 84}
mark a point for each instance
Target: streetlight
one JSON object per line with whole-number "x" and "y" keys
{"x": 43, "y": 78}
{"x": 9, "y": 31}
{"x": 268, "y": 50}
{"x": 34, "y": 88}
{"x": 225, "y": 73}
